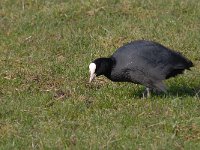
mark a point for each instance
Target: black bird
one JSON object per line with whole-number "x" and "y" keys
{"x": 141, "y": 62}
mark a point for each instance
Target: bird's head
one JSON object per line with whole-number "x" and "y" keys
{"x": 100, "y": 66}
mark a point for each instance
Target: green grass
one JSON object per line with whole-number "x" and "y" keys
{"x": 45, "y": 99}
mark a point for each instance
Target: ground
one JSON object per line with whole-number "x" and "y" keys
{"x": 45, "y": 99}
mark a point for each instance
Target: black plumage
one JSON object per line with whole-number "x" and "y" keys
{"x": 143, "y": 62}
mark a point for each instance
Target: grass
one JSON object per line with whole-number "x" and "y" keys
{"x": 45, "y": 99}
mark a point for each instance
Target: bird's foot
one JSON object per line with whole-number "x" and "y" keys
{"x": 146, "y": 93}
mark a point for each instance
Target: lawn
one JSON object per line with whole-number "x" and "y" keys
{"x": 45, "y": 99}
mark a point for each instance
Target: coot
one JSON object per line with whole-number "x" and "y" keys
{"x": 141, "y": 62}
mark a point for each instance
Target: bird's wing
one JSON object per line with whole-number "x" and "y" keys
{"x": 153, "y": 59}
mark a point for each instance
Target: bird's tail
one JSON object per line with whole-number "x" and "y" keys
{"x": 189, "y": 64}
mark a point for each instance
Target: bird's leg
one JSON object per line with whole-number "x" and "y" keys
{"x": 146, "y": 93}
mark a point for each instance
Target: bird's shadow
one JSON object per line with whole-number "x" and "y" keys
{"x": 183, "y": 90}
{"x": 174, "y": 90}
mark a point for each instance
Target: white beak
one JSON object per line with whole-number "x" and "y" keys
{"x": 92, "y": 77}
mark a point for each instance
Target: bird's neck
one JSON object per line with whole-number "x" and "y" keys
{"x": 108, "y": 64}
